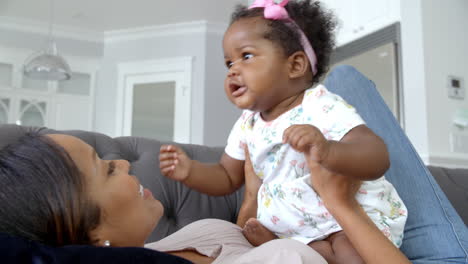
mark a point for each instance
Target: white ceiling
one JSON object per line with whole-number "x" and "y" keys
{"x": 107, "y": 15}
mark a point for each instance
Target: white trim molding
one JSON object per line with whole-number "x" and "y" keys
{"x": 39, "y": 27}
{"x": 449, "y": 160}
{"x": 194, "y": 27}
{"x": 112, "y": 36}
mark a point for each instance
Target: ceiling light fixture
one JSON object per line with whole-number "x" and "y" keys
{"x": 47, "y": 64}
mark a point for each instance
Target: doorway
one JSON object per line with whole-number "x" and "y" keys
{"x": 154, "y": 99}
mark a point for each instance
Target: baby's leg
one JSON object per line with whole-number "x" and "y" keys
{"x": 256, "y": 233}
{"x": 337, "y": 249}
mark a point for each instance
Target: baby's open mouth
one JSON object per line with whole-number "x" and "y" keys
{"x": 237, "y": 90}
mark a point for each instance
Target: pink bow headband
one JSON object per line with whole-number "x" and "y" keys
{"x": 278, "y": 12}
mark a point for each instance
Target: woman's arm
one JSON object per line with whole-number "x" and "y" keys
{"x": 252, "y": 185}
{"x": 338, "y": 194}
{"x": 364, "y": 235}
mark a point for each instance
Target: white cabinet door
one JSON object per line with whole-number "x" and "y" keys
{"x": 6, "y": 75}
{"x": 372, "y": 15}
{"x": 358, "y": 18}
{"x": 73, "y": 104}
{"x": 73, "y": 112}
{"x": 32, "y": 110}
{"x": 5, "y": 110}
{"x": 343, "y": 15}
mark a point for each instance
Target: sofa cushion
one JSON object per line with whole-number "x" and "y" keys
{"x": 454, "y": 182}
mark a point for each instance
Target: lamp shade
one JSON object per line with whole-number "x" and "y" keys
{"x": 47, "y": 66}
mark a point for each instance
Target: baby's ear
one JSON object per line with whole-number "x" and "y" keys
{"x": 298, "y": 64}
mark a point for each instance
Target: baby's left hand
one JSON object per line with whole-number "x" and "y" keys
{"x": 309, "y": 140}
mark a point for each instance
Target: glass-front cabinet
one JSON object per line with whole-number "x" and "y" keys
{"x": 4, "y": 110}
{"x": 54, "y": 104}
{"x": 32, "y": 113}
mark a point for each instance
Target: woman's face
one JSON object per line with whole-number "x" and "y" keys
{"x": 128, "y": 215}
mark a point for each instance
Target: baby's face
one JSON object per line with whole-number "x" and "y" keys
{"x": 258, "y": 70}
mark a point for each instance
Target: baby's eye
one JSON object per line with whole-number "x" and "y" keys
{"x": 229, "y": 64}
{"x": 247, "y": 56}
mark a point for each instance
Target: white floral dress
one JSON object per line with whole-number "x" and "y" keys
{"x": 287, "y": 204}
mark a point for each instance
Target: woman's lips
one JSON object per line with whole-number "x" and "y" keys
{"x": 147, "y": 194}
{"x": 239, "y": 91}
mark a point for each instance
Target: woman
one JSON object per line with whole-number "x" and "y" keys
{"x": 65, "y": 194}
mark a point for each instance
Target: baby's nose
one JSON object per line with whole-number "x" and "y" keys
{"x": 233, "y": 71}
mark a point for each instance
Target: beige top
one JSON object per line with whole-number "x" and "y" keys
{"x": 224, "y": 241}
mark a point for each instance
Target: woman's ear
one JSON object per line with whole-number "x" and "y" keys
{"x": 298, "y": 64}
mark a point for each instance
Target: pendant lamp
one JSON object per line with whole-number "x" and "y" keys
{"x": 47, "y": 64}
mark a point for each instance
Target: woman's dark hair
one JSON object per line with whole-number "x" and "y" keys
{"x": 318, "y": 25}
{"x": 42, "y": 194}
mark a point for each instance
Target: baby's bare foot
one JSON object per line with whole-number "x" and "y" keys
{"x": 256, "y": 233}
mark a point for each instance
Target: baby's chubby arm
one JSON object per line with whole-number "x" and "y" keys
{"x": 360, "y": 153}
{"x": 220, "y": 178}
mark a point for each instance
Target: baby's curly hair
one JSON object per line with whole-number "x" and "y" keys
{"x": 317, "y": 23}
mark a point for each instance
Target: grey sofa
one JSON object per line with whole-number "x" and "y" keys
{"x": 182, "y": 205}
{"x": 454, "y": 183}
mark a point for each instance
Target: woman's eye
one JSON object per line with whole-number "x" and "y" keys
{"x": 229, "y": 64}
{"x": 247, "y": 56}
{"x": 111, "y": 168}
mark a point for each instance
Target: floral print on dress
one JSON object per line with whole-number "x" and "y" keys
{"x": 297, "y": 192}
{"x": 307, "y": 218}
{"x": 278, "y": 191}
{"x": 299, "y": 168}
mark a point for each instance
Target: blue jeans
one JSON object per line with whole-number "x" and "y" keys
{"x": 434, "y": 232}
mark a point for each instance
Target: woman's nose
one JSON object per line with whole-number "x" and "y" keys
{"x": 123, "y": 165}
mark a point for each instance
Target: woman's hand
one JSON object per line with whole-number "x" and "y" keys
{"x": 174, "y": 162}
{"x": 252, "y": 185}
{"x": 335, "y": 190}
{"x": 338, "y": 194}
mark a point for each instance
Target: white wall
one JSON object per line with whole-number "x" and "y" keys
{"x": 445, "y": 53}
{"x": 220, "y": 113}
{"x": 414, "y": 87}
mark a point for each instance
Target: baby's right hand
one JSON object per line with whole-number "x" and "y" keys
{"x": 174, "y": 162}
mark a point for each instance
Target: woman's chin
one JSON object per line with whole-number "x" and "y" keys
{"x": 158, "y": 212}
